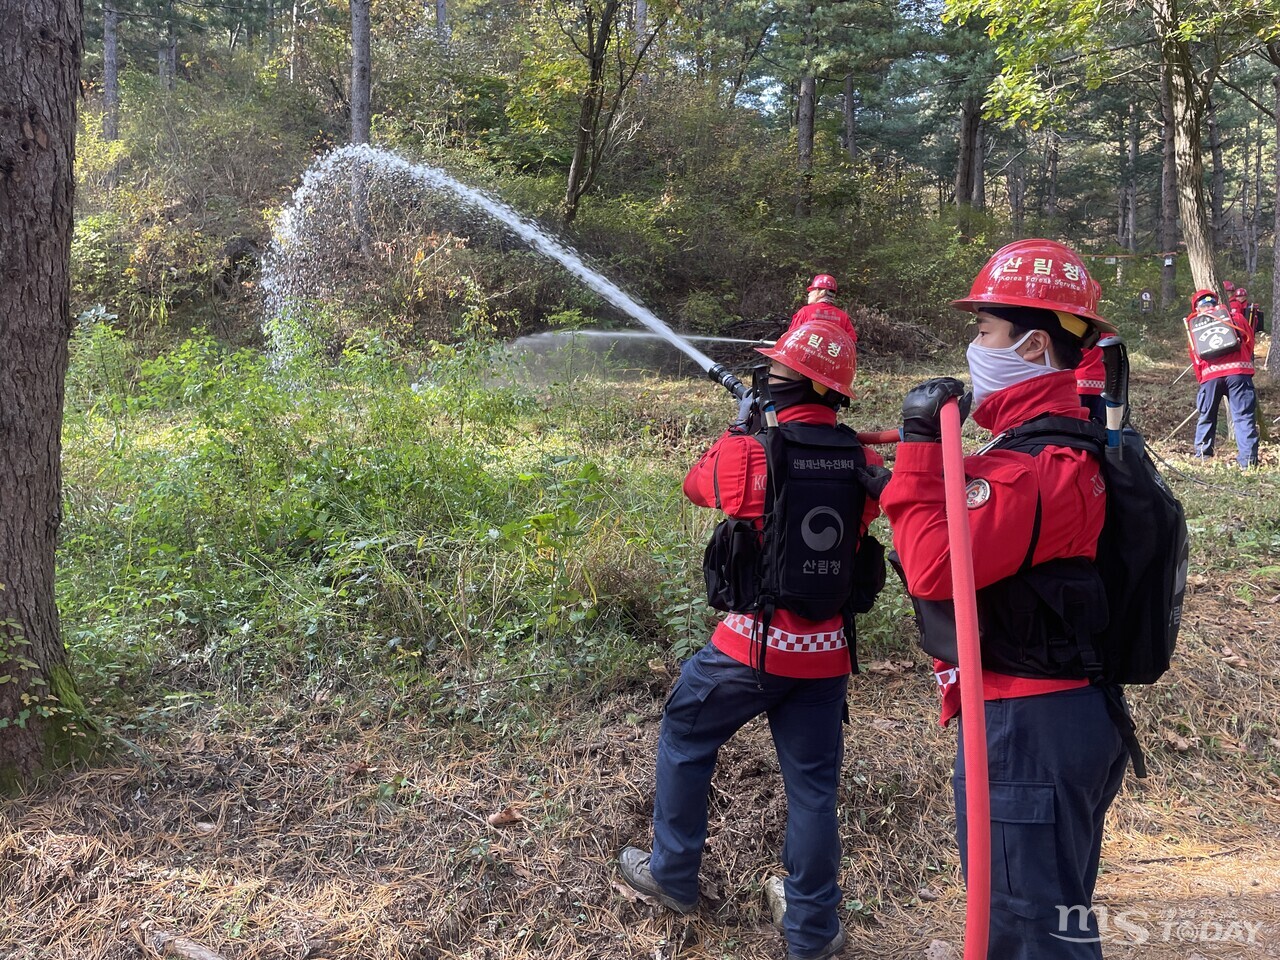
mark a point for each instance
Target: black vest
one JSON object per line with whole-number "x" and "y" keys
{"x": 1038, "y": 623}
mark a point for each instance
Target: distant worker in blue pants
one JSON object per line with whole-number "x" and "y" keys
{"x": 1220, "y": 345}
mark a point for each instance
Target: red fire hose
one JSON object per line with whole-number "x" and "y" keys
{"x": 876, "y": 437}
{"x": 973, "y": 718}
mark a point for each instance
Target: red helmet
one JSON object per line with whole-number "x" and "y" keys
{"x": 1201, "y": 294}
{"x": 1239, "y": 292}
{"x": 1229, "y": 285}
{"x": 823, "y": 281}
{"x": 823, "y": 351}
{"x": 1043, "y": 274}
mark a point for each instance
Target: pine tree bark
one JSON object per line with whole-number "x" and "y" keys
{"x": 1218, "y": 178}
{"x": 110, "y": 71}
{"x": 1273, "y": 51}
{"x": 970, "y": 118}
{"x": 1131, "y": 239}
{"x": 850, "y": 117}
{"x": 979, "y": 168}
{"x": 360, "y": 72}
{"x": 442, "y": 21}
{"x": 1049, "y": 196}
{"x": 40, "y": 52}
{"x": 805, "y": 110}
{"x": 1168, "y": 198}
{"x": 1188, "y": 95}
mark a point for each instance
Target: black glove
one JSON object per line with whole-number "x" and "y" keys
{"x": 874, "y": 479}
{"x": 922, "y": 408}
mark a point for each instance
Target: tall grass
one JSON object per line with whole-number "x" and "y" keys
{"x": 233, "y": 529}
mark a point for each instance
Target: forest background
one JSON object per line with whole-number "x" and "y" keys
{"x": 366, "y": 653}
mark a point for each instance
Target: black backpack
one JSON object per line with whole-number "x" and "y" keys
{"x": 808, "y": 558}
{"x": 1142, "y": 551}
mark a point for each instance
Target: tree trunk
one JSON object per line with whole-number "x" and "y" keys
{"x": 805, "y": 108}
{"x": 1188, "y": 96}
{"x": 1017, "y": 180}
{"x": 360, "y": 119}
{"x": 1218, "y": 179}
{"x": 293, "y": 41}
{"x": 1122, "y": 199}
{"x": 850, "y": 117}
{"x": 1131, "y": 243}
{"x": 40, "y": 55}
{"x": 442, "y": 21}
{"x": 970, "y": 117}
{"x": 1049, "y": 207}
{"x": 110, "y": 72}
{"x": 168, "y": 53}
{"x": 641, "y": 15}
{"x": 1168, "y": 198}
{"x": 360, "y": 73}
{"x": 979, "y": 168}
{"x": 1272, "y": 370}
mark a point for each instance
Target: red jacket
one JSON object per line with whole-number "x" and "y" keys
{"x": 736, "y": 466}
{"x": 1237, "y": 362}
{"x": 821, "y": 311}
{"x": 1090, "y": 374}
{"x": 1068, "y": 483}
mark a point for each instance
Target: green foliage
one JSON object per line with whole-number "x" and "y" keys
{"x": 238, "y": 526}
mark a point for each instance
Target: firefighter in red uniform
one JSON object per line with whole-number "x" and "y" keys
{"x": 801, "y": 689}
{"x": 1242, "y": 310}
{"x": 822, "y": 306}
{"x": 1228, "y": 375}
{"x": 1056, "y": 756}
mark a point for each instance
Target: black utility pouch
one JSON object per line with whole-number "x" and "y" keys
{"x": 731, "y": 566}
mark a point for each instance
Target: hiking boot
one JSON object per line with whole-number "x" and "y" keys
{"x": 633, "y": 864}
{"x": 830, "y": 950}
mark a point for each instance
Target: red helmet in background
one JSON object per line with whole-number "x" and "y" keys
{"x": 1043, "y": 274}
{"x": 1239, "y": 293}
{"x": 1201, "y": 294}
{"x": 823, "y": 281}
{"x": 823, "y": 351}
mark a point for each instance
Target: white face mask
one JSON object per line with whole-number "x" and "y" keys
{"x": 994, "y": 368}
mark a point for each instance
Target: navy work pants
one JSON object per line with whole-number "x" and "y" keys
{"x": 1242, "y": 401}
{"x": 714, "y": 697}
{"x": 1056, "y": 761}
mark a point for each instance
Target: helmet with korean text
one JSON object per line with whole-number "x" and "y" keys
{"x": 822, "y": 351}
{"x": 1046, "y": 275}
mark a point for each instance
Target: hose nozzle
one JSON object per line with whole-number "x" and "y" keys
{"x": 724, "y": 376}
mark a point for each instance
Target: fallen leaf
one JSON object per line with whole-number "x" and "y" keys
{"x": 885, "y": 724}
{"x": 358, "y": 768}
{"x": 657, "y": 666}
{"x": 628, "y": 892}
{"x": 1179, "y": 743}
{"x": 505, "y": 816}
{"x": 928, "y": 894}
{"x": 204, "y": 826}
{"x": 1231, "y": 657}
{"x": 941, "y": 950}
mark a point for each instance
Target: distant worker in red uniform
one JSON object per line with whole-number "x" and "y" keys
{"x": 1243, "y": 309}
{"x": 822, "y": 306}
{"x": 1220, "y": 343}
{"x": 1056, "y": 751}
{"x": 793, "y": 668}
